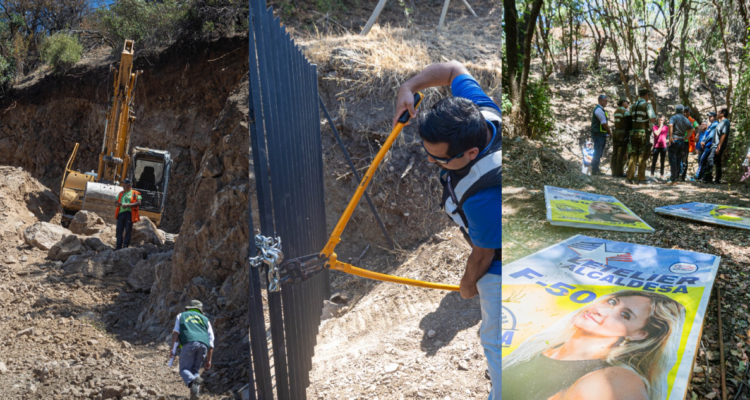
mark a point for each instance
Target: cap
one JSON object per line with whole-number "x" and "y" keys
{"x": 679, "y": 108}
{"x": 127, "y": 180}
{"x": 194, "y": 304}
{"x": 712, "y": 114}
{"x": 622, "y": 100}
{"x": 644, "y": 91}
{"x": 602, "y": 96}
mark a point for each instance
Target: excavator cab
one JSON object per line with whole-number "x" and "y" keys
{"x": 150, "y": 176}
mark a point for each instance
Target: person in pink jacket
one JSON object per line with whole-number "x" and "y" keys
{"x": 660, "y": 133}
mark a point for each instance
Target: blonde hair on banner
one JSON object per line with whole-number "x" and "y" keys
{"x": 651, "y": 358}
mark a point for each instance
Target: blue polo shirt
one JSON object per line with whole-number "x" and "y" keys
{"x": 483, "y": 210}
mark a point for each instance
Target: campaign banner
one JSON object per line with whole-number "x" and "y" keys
{"x": 588, "y": 315}
{"x": 736, "y": 217}
{"x": 567, "y": 207}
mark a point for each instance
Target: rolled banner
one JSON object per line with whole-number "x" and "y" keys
{"x": 566, "y": 207}
{"x": 174, "y": 352}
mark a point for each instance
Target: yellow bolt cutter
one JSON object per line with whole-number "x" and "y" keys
{"x": 300, "y": 269}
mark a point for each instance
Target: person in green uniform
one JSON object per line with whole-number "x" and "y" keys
{"x": 639, "y": 145}
{"x": 620, "y": 138}
{"x": 193, "y": 331}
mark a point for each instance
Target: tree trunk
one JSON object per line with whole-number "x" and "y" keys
{"x": 682, "y": 93}
{"x": 730, "y": 87}
{"x": 518, "y": 83}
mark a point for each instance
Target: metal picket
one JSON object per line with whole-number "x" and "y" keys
{"x": 288, "y": 165}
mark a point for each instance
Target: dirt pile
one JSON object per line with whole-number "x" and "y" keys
{"x": 23, "y": 202}
{"x": 179, "y": 95}
{"x": 68, "y": 335}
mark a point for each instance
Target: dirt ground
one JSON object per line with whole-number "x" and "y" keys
{"x": 67, "y": 336}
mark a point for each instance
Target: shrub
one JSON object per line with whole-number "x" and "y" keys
{"x": 151, "y": 24}
{"x": 541, "y": 117}
{"x": 7, "y": 71}
{"x": 61, "y": 51}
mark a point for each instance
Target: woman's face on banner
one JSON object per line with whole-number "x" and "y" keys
{"x": 602, "y": 208}
{"x": 616, "y": 317}
{"x": 734, "y": 212}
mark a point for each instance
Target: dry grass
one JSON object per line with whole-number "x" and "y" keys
{"x": 377, "y": 64}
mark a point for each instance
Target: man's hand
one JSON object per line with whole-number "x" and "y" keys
{"x": 170, "y": 355}
{"x": 404, "y": 102}
{"x": 208, "y": 364}
{"x": 477, "y": 265}
{"x": 117, "y": 203}
{"x": 718, "y": 148}
{"x": 468, "y": 289}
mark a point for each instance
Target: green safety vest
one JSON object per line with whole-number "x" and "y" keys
{"x": 596, "y": 126}
{"x": 620, "y": 119}
{"x": 194, "y": 328}
{"x": 639, "y": 110}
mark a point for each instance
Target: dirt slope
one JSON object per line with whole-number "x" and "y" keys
{"x": 399, "y": 342}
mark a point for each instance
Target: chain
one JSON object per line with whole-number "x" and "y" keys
{"x": 269, "y": 253}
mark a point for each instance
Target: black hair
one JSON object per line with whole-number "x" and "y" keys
{"x": 724, "y": 112}
{"x": 456, "y": 121}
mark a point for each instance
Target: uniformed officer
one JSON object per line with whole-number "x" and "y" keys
{"x": 620, "y": 138}
{"x": 639, "y": 145}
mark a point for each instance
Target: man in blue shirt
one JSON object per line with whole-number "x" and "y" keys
{"x": 704, "y": 143}
{"x": 462, "y": 135}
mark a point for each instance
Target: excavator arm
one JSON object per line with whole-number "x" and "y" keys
{"x": 97, "y": 192}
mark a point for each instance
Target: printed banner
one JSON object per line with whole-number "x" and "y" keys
{"x": 736, "y": 217}
{"x": 567, "y": 207}
{"x": 589, "y": 314}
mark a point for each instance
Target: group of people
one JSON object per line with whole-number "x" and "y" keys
{"x": 638, "y": 136}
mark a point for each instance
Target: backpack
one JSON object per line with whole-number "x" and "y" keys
{"x": 628, "y": 122}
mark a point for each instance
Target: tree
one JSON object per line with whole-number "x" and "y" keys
{"x": 519, "y": 36}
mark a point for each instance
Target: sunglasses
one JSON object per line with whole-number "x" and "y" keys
{"x": 441, "y": 160}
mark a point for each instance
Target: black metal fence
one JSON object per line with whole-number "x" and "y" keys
{"x": 288, "y": 165}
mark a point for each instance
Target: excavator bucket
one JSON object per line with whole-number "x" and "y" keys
{"x": 73, "y": 186}
{"x": 100, "y": 198}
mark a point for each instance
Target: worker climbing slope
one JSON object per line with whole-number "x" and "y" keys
{"x": 462, "y": 135}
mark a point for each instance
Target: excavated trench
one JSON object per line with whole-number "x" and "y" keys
{"x": 178, "y": 99}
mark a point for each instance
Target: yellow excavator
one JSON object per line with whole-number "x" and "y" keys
{"x": 148, "y": 169}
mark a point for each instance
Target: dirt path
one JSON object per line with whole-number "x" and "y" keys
{"x": 400, "y": 342}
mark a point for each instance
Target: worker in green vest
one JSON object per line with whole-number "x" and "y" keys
{"x": 193, "y": 332}
{"x": 620, "y": 138}
{"x": 639, "y": 145}
{"x": 600, "y": 131}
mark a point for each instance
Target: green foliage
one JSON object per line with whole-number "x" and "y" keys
{"x": 61, "y": 51}
{"x": 325, "y": 6}
{"x": 151, "y": 24}
{"x": 541, "y": 118}
{"x": 7, "y": 71}
{"x": 740, "y": 135}
{"x": 507, "y": 104}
